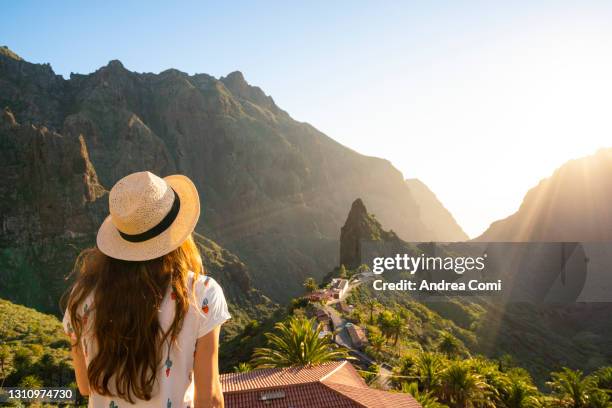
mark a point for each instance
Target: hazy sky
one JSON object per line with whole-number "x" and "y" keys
{"x": 480, "y": 100}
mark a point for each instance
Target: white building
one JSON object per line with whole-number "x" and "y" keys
{"x": 339, "y": 287}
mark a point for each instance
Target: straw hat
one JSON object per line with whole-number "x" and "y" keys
{"x": 149, "y": 216}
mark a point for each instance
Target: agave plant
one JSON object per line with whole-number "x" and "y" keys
{"x": 297, "y": 341}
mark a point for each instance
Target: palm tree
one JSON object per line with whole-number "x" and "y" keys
{"x": 449, "y": 344}
{"x": 396, "y": 328}
{"x": 427, "y": 368}
{"x": 425, "y": 398}
{"x": 518, "y": 394}
{"x": 371, "y": 303}
{"x": 384, "y": 322}
{"x": 310, "y": 285}
{"x": 571, "y": 388}
{"x": 603, "y": 379}
{"x": 297, "y": 342}
{"x": 599, "y": 399}
{"x": 497, "y": 381}
{"x": 377, "y": 342}
{"x": 403, "y": 371}
{"x": 461, "y": 388}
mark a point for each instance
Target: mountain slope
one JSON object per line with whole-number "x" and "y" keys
{"x": 34, "y": 345}
{"x": 273, "y": 189}
{"x": 571, "y": 205}
{"x": 433, "y": 214}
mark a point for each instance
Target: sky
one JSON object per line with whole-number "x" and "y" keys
{"x": 479, "y": 100}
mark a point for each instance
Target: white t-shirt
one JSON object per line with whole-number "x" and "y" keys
{"x": 175, "y": 387}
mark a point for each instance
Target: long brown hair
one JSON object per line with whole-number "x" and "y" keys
{"x": 126, "y": 302}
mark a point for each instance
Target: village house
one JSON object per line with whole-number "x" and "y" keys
{"x": 339, "y": 287}
{"x": 335, "y": 384}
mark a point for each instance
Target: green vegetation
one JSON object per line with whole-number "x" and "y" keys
{"x": 33, "y": 348}
{"x": 310, "y": 285}
{"x": 440, "y": 381}
{"x": 437, "y": 359}
{"x": 296, "y": 341}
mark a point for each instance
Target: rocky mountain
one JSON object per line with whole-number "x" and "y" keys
{"x": 274, "y": 190}
{"x": 571, "y": 205}
{"x": 52, "y": 204}
{"x": 433, "y": 213}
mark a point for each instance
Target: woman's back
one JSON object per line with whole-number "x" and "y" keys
{"x": 174, "y": 386}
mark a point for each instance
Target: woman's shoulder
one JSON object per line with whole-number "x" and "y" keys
{"x": 205, "y": 285}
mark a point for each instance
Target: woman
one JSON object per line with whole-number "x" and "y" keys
{"x": 143, "y": 318}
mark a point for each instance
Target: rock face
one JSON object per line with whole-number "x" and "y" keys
{"x": 571, "y": 205}
{"x": 51, "y": 205}
{"x": 359, "y": 228}
{"x": 433, "y": 214}
{"x": 274, "y": 190}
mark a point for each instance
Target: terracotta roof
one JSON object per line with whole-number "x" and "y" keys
{"x": 277, "y": 377}
{"x": 370, "y": 397}
{"x": 311, "y": 395}
{"x": 331, "y": 385}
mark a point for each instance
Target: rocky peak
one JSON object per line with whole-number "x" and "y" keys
{"x": 7, "y": 52}
{"x": 115, "y": 65}
{"x": 360, "y": 226}
{"x": 32, "y": 91}
{"x": 240, "y": 88}
{"x": 235, "y": 81}
{"x": 113, "y": 74}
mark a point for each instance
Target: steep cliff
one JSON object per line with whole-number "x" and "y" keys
{"x": 433, "y": 213}
{"x": 274, "y": 190}
{"x": 51, "y": 205}
{"x": 571, "y": 205}
{"x": 360, "y": 227}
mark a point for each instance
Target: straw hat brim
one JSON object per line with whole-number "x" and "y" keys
{"x": 112, "y": 244}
